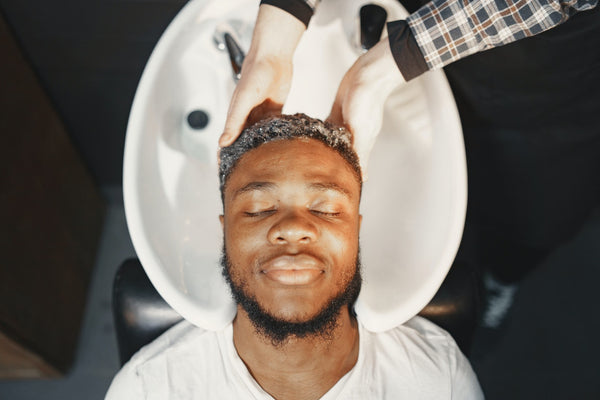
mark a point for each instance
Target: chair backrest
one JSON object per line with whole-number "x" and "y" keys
{"x": 141, "y": 315}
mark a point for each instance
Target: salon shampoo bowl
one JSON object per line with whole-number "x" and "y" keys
{"x": 413, "y": 203}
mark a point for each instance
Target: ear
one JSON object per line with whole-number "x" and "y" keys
{"x": 222, "y": 221}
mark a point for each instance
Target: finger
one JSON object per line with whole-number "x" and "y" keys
{"x": 241, "y": 105}
{"x": 336, "y": 115}
{"x": 362, "y": 161}
{"x": 232, "y": 129}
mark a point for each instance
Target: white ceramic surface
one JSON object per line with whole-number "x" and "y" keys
{"x": 413, "y": 203}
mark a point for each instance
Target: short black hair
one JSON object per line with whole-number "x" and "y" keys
{"x": 287, "y": 127}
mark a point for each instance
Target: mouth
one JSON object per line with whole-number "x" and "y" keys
{"x": 293, "y": 270}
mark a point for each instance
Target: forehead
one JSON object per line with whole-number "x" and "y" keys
{"x": 299, "y": 160}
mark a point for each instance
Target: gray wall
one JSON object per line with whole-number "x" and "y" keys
{"x": 89, "y": 56}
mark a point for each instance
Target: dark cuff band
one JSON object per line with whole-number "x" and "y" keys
{"x": 406, "y": 51}
{"x": 298, "y": 8}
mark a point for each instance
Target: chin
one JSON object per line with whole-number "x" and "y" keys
{"x": 294, "y": 308}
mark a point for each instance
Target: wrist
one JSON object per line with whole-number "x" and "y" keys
{"x": 276, "y": 33}
{"x": 378, "y": 66}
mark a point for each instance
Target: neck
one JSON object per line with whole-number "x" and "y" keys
{"x": 299, "y": 368}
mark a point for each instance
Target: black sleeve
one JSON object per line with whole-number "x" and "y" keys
{"x": 405, "y": 50}
{"x": 298, "y": 8}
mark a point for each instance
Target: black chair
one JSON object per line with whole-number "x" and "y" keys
{"x": 141, "y": 315}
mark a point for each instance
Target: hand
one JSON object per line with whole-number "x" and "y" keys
{"x": 266, "y": 73}
{"x": 260, "y": 92}
{"x": 361, "y": 97}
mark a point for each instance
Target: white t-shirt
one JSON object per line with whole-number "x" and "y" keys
{"x": 416, "y": 360}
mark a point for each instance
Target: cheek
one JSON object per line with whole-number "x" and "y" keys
{"x": 344, "y": 242}
{"x": 242, "y": 241}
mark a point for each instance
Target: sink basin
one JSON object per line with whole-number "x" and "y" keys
{"x": 413, "y": 203}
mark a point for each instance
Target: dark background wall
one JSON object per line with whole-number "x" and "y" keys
{"x": 89, "y": 56}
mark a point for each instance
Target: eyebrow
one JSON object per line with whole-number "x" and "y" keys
{"x": 325, "y": 186}
{"x": 269, "y": 186}
{"x": 260, "y": 186}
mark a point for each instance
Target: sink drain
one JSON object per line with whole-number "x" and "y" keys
{"x": 197, "y": 119}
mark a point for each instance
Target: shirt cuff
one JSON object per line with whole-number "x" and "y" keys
{"x": 298, "y": 8}
{"x": 406, "y": 51}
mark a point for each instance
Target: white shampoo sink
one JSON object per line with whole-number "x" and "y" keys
{"x": 413, "y": 203}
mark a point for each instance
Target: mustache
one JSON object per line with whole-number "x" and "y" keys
{"x": 271, "y": 255}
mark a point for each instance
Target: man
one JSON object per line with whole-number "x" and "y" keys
{"x": 291, "y": 190}
{"x": 528, "y": 105}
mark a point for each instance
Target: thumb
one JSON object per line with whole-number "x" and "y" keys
{"x": 233, "y": 126}
{"x": 336, "y": 116}
{"x": 242, "y": 103}
{"x": 363, "y": 159}
{"x": 366, "y": 126}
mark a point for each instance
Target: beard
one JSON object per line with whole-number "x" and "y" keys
{"x": 277, "y": 330}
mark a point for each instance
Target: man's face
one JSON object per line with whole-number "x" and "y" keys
{"x": 291, "y": 224}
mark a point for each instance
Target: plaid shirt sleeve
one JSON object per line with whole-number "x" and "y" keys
{"x": 448, "y": 30}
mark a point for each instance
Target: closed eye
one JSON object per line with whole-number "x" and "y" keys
{"x": 325, "y": 214}
{"x": 262, "y": 213}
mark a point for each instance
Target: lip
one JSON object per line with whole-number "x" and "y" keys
{"x": 293, "y": 270}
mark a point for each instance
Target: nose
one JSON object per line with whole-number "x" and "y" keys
{"x": 293, "y": 228}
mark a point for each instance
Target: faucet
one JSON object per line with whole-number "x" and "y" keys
{"x": 225, "y": 39}
{"x": 372, "y": 22}
{"x": 236, "y": 56}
